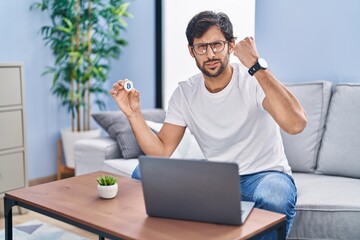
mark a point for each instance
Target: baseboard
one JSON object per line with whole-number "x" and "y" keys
{"x": 42, "y": 180}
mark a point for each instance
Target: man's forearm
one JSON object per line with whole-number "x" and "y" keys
{"x": 281, "y": 103}
{"x": 149, "y": 143}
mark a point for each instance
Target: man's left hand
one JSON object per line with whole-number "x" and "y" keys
{"x": 246, "y": 52}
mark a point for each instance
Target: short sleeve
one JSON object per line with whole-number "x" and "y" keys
{"x": 174, "y": 112}
{"x": 250, "y": 87}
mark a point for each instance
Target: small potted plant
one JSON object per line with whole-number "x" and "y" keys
{"x": 107, "y": 186}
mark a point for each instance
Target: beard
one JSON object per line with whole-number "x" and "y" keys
{"x": 221, "y": 69}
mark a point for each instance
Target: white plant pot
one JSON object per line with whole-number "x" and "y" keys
{"x": 107, "y": 191}
{"x": 69, "y": 137}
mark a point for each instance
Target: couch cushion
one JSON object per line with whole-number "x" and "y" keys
{"x": 340, "y": 148}
{"x": 328, "y": 207}
{"x": 118, "y": 127}
{"x": 91, "y": 153}
{"x": 301, "y": 150}
{"x": 120, "y": 166}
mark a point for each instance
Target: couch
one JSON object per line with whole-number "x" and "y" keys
{"x": 325, "y": 157}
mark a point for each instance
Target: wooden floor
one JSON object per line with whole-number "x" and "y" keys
{"x": 30, "y": 215}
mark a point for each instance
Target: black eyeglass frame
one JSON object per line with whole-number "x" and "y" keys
{"x": 211, "y": 46}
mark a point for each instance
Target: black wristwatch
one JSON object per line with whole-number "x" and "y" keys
{"x": 260, "y": 64}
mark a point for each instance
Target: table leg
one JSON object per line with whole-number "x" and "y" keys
{"x": 8, "y": 204}
{"x": 281, "y": 231}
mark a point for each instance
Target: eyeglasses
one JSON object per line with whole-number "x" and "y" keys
{"x": 216, "y": 47}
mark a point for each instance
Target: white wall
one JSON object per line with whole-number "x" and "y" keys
{"x": 178, "y": 65}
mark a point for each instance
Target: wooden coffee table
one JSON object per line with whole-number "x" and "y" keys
{"x": 75, "y": 201}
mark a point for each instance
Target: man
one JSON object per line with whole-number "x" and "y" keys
{"x": 234, "y": 112}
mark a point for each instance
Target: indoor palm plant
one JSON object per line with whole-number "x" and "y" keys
{"x": 84, "y": 36}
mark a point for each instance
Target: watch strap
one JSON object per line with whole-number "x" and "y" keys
{"x": 252, "y": 70}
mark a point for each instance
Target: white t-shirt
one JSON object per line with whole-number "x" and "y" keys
{"x": 230, "y": 125}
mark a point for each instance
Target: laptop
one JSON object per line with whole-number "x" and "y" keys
{"x": 195, "y": 190}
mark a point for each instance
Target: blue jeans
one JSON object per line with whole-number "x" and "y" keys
{"x": 136, "y": 173}
{"x": 271, "y": 190}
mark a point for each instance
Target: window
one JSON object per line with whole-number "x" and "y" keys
{"x": 176, "y": 63}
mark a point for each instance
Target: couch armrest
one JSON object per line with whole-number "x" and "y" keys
{"x": 90, "y": 154}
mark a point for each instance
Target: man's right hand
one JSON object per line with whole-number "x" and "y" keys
{"x": 128, "y": 102}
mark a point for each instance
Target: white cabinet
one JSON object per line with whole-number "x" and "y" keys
{"x": 13, "y": 158}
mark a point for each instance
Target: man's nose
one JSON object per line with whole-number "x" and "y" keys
{"x": 209, "y": 52}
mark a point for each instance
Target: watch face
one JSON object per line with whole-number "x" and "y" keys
{"x": 262, "y": 62}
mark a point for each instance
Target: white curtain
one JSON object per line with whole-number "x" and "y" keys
{"x": 178, "y": 65}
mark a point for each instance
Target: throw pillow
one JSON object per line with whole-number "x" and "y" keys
{"x": 301, "y": 149}
{"x": 340, "y": 147}
{"x": 118, "y": 127}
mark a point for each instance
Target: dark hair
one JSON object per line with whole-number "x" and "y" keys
{"x": 202, "y": 21}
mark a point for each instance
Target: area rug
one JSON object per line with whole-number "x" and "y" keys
{"x": 37, "y": 230}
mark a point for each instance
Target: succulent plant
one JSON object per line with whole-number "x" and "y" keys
{"x": 106, "y": 180}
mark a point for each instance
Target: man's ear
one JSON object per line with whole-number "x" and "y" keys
{"x": 191, "y": 51}
{"x": 231, "y": 45}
